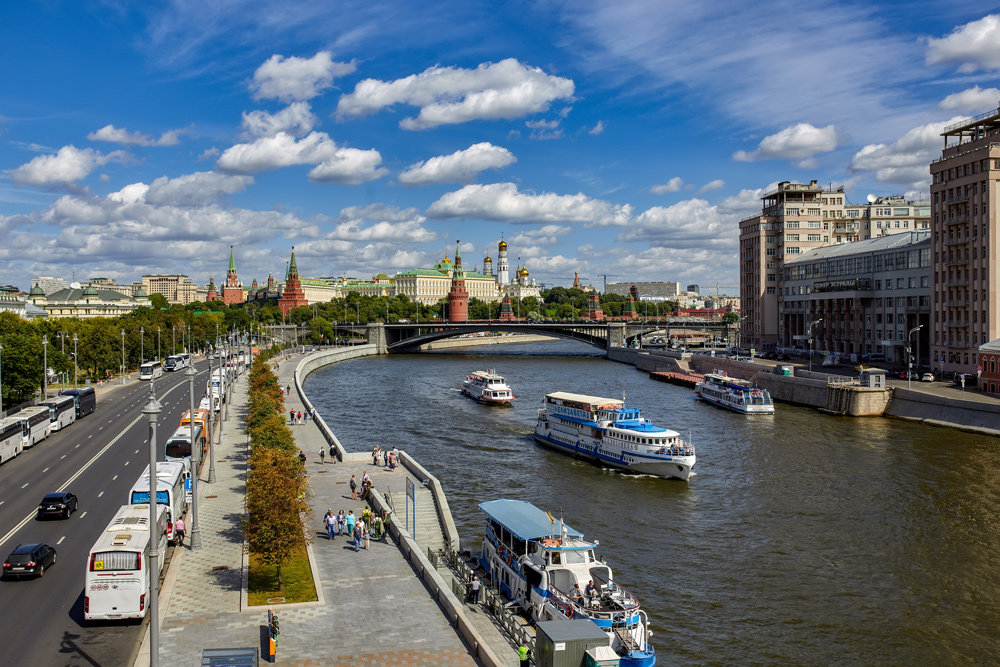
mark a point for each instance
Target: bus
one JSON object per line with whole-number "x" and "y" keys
{"x": 117, "y": 582}
{"x": 171, "y": 491}
{"x": 35, "y": 423}
{"x": 11, "y": 441}
{"x": 217, "y": 384}
{"x": 62, "y": 411}
{"x": 201, "y": 419}
{"x": 178, "y": 446}
{"x": 84, "y": 399}
{"x": 150, "y": 370}
{"x": 170, "y": 363}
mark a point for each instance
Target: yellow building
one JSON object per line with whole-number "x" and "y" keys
{"x": 428, "y": 286}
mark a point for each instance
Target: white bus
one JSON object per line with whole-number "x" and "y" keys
{"x": 150, "y": 370}
{"x": 10, "y": 439}
{"x": 35, "y": 424}
{"x": 62, "y": 411}
{"x": 178, "y": 445}
{"x": 217, "y": 384}
{"x": 117, "y": 582}
{"x": 171, "y": 485}
{"x": 170, "y": 363}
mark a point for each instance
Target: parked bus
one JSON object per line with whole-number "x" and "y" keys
{"x": 84, "y": 399}
{"x": 62, "y": 411}
{"x": 11, "y": 440}
{"x": 171, "y": 487}
{"x": 178, "y": 446}
{"x": 150, "y": 370}
{"x": 201, "y": 419}
{"x": 217, "y": 384}
{"x": 117, "y": 582}
{"x": 170, "y": 363}
{"x": 35, "y": 424}
{"x": 210, "y": 402}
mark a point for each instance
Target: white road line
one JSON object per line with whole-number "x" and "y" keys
{"x": 25, "y": 485}
{"x": 126, "y": 463}
{"x": 114, "y": 478}
{"x": 62, "y": 457}
{"x": 60, "y": 540}
{"x": 2, "y": 502}
{"x": 137, "y": 451}
{"x": 100, "y": 494}
{"x": 85, "y": 514}
{"x": 46, "y": 470}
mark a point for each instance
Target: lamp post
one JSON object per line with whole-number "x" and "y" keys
{"x": 195, "y": 461}
{"x": 909, "y": 352}
{"x": 1, "y": 380}
{"x": 811, "y": 325}
{"x": 158, "y": 357}
{"x": 45, "y": 367}
{"x": 62, "y": 350}
{"x": 142, "y": 346}
{"x": 173, "y": 339}
{"x": 123, "y": 356}
{"x": 152, "y": 410}
{"x": 211, "y": 439}
{"x": 75, "y": 366}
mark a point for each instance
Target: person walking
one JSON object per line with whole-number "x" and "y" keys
{"x": 350, "y": 523}
{"x": 330, "y": 521}
{"x": 475, "y": 585}
{"x": 333, "y": 454}
{"x": 179, "y": 529}
{"x": 341, "y": 520}
{"x": 322, "y": 455}
{"x": 359, "y": 532}
{"x": 524, "y": 655}
{"x": 291, "y": 417}
{"x": 354, "y": 488}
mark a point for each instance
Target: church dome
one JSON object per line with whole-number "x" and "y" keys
{"x": 523, "y": 271}
{"x": 89, "y": 290}
{"x": 487, "y": 259}
{"x": 502, "y": 245}
{"x": 140, "y": 293}
{"x": 36, "y": 291}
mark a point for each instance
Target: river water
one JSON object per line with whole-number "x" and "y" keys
{"x": 803, "y": 539}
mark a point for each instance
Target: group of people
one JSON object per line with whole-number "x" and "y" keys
{"x": 472, "y": 587}
{"x": 366, "y": 485}
{"x": 385, "y": 459}
{"x": 297, "y": 417}
{"x": 359, "y": 529}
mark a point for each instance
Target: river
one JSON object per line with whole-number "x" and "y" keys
{"x": 803, "y": 539}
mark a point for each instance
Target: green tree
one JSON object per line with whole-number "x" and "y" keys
{"x": 158, "y": 301}
{"x": 21, "y": 359}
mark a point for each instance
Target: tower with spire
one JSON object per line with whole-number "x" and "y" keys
{"x": 502, "y": 266}
{"x": 213, "y": 292}
{"x": 292, "y": 296}
{"x": 458, "y": 297}
{"x": 232, "y": 291}
{"x": 594, "y": 311}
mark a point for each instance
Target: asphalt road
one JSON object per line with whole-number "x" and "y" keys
{"x": 98, "y": 458}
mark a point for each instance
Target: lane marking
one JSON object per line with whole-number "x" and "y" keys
{"x": 114, "y": 478}
{"x": 147, "y": 441}
{"x": 46, "y": 470}
{"x": 83, "y": 515}
{"x": 126, "y": 463}
{"x": 100, "y": 494}
{"x": 26, "y": 484}
{"x": 62, "y": 457}
{"x": 60, "y": 540}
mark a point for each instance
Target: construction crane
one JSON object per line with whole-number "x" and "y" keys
{"x": 606, "y": 276}
{"x": 718, "y": 287}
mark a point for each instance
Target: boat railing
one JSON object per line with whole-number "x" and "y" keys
{"x": 571, "y": 608}
{"x": 674, "y": 450}
{"x": 618, "y": 594}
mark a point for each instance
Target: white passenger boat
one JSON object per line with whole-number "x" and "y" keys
{"x": 487, "y": 387}
{"x": 735, "y": 394}
{"x": 607, "y": 432}
{"x": 546, "y": 568}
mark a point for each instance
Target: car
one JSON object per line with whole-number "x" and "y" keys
{"x": 29, "y": 559}
{"x": 927, "y": 377}
{"x": 901, "y": 375}
{"x": 60, "y": 504}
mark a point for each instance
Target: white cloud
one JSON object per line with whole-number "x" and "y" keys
{"x": 693, "y": 223}
{"x": 972, "y": 99}
{"x": 334, "y": 164}
{"x": 598, "y": 128}
{"x": 460, "y": 166}
{"x": 798, "y": 142}
{"x": 349, "y": 166}
{"x": 197, "y": 189}
{"x": 117, "y": 135}
{"x": 68, "y": 165}
{"x": 547, "y": 235}
{"x": 744, "y": 204}
{"x": 296, "y": 119}
{"x": 673, "y": 185}
{"x": 973, "y": 46}
{"x": 295, "y": 79}
{"x": 208, "y": 154}
{"x": 377, "y": 222}
{"x": 905, "y": 160}
{"x": 711, "y": 185}
{"x": 502, "y": 201}
{"x": 450, "y": 95}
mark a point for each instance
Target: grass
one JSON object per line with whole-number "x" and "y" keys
{"x": 262, "y": 582}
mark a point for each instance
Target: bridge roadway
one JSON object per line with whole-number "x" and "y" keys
{"x": 98, "y": 458}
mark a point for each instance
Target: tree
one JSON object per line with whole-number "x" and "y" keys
{"x": 158, "y": 301}
{"x": 21, "y": 359}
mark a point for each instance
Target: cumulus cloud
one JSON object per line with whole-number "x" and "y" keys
{"x": 461, "y": 166}
{"x": 546, "y": 235}
{"x": 296, "y": 119}
{"x": 973, "y": 46}
{"x": 972, "y": 99}
{"x": 197, "y": 189}
{"x": 673, "y": 185}
{"x": 334, "y": 164}
{"x": 905, "y": 160}
{"x": 349, "y": 166}
{"x": 119, "y": 135}
{"x": 597, "y": 129}
{"x": 450, "y": 95}
{"x": 797, "y": 142}
{"x": 691, "y": 223}
{"x": 711, "y": 185}
{"x": 68, "y": 165}
{"x": 295, "y": 79}
{"x": 502, "y": 201}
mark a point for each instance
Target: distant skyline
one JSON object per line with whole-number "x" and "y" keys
{"x": 623, "y": 138}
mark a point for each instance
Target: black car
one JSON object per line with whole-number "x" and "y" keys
{"x": 60, "y": 504}
{"x": 29, "y": 559}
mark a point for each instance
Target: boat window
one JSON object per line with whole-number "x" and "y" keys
{"x": 554, "y": 558}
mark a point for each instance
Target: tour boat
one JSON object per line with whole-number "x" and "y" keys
{"x": 735, "y": 394}
{"x": 536, "y": 561}
{"x": 607, "y": 432}
{"x": 487, "y": 387}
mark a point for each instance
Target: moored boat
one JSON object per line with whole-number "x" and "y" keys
{"x": 487, "y": 387}
{"x": 734, "y": 394}
{"x": 548, "y": 570}
{"x": 607, "y": 432}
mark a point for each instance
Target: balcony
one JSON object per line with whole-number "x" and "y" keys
{"x": 957, "y": 324}
{"x": 957, "y": 220}
{"x": 953, "y": 242}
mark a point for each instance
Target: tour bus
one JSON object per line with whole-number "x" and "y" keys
{"x": 117, "y": 582}
{"x": 11, "y": 441}
{"x": 62, "y": 411}
{"x": 84, "y": 399}
{"x": 150, "y": 370}
{"x": 171, "y": 491}
{"x": 178, "y": 446}
{"x": 210, "y": 403}
{"x": 170, "y": 363}
{"x": 200, "y": 418}
{"x": 217, "y": 385}
{"x": 35, "y": 423}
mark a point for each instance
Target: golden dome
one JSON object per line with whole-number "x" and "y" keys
{"x": 523, "y": 271}
{"x": 502, "y": 245}
{"x": 487, "y": 259}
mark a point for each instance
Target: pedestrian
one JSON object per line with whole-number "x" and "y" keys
{"x": 367, "y": 534}
{"x": 300, "y": 417}
{"x": 349, "y": 521}
{"x": 378, "y": 527}
{"x": 333, "y": 454}
{"x": 312, "y": 411}
{"x": 330, "y": 521}
{"x": 291, "y": 417}
{"x": 341, "y": 521}
{"x": 288, "y": 390}
{"x": 375, "y": 455}
{"x": 322, "y": 455}
{"x": 354, "y": 488}
{"x": 476, "y": 584}
{"x": 359, "y": 532}
{"x": 524, "y": 655}
{"x": 302, "y": 457}
{"x": 179, "y": 529}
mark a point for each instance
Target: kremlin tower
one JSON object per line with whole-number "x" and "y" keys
{"x": 506, "y": 314}
{"x": 458, "y": 297}
{"x": 594, "y": 311}
{"x": 292, "y": 296}
{"x": 502, "y": 267}
{"x": 232, "y": 292}
{"x": 213, "y": 293}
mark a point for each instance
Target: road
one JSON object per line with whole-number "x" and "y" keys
{"x": 98, "y": 458}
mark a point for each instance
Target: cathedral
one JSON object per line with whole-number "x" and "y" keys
{"x": 521, "y": 287}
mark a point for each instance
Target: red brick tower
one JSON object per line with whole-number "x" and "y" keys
{"x": 213, "y": 293}
{"x": 232, "y": 291}
{"x": 506, "y": 314}
{"x": 458, "y": 297}
{"x": 292, "y": 296}
{"x": 629, "y": 311}
{"x": 594, "y": 311}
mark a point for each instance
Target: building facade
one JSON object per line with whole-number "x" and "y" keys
{"x": 86, "y": 302}
{"x": 429, "y": 286}
{"x": 964, "y": 243}
{"x": 989, "y": 362}
{"x": 175, "y": 288}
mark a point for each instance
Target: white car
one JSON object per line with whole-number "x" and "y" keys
{"x": 927, "y": 377}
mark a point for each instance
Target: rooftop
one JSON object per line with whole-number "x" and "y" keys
{"x": 876, "y": 244}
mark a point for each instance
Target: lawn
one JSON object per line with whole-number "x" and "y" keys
{"x": 262, "y": 582}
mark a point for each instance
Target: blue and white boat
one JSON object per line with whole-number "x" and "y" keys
{"x": 545, "y": 567}
{"x": 734, "y": 394}
{"x": 607, "y": 432}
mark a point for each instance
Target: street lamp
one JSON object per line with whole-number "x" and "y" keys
{"x": 811, "y": 325}
{"x": 195, "y": 458}
{"x": 123, "y": 356}
{"x": 62, "y": 349}
{"x": 1, "y": 380}
{"x": 152, "y": 410}
{"x": 158, "y": 357}
{"x": 142, "y": 346}
{"x": 45, "y": 367}
{"x": 75, "y": 367}
{"x": 173, "y": 339}
{"x": 909, "y": 352}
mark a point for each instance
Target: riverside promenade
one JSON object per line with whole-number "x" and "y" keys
{"x": 374, "y": 607}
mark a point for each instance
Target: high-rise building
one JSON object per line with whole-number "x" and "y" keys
{"x": 176, "y": 288}
{"x": 48, "y": 284}
{"x": 965, "y": 276}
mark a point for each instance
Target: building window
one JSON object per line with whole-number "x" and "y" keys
{"x": 812, "y": 237}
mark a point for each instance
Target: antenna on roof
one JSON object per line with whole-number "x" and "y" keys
{"x": 871, "y": 199}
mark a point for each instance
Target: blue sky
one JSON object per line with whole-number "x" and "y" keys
{"x": 624, "y": 138}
